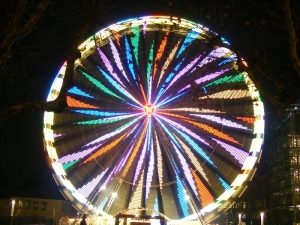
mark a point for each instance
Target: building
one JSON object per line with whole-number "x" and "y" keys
{"x": 15, "y": 210}
{"x": 284, "y": 169}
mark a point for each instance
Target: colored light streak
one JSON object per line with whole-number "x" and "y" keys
{"x": 116, "y": 36}
{"x": 238, "y": 154}
{"x": 196, "y": 147}
{"x": 150, "y": 169}
{"x": 137, "y": 194}
{"x": 87, "y": 188}
{"x": 204, "y": 126}
{"x": 181, "y": 196}
{"x": 160, "y": 52}
{"x": 135, "y": 151}
{"x": 78, "y": 104}
{"x": 164, "y": 86}
{"x": 206, "y": 78}
{"x": 149, "y": 70}
{"x": 159, "y": 162}
{"x": 140, "y": 163}
{"x": 247, "y": 119}
{"x": 75, "y": 90}
{"x": 227, "y": 79}
{"x": 229, "y": 94}
{"x": 106, "y": 120}
{"x": 184, "y": 71}
{"x": 99, "y": 85}
{"x": 97, "y": 112}
{"x": 217, "y": 54}
{"x": 135, "y": 42}
{"x": 118, "y": 87}
{"x": 168, "y": 61}
{"x": 117, "y": 58}
{"x": 205, "y": 195}
{"x": 130, "y": 60}
{"x": 186, "y": 170}
{"x": 170, "y": 99}
{"x": 222, "y": 121}
{"x": 109, "y": 66}
{"x": 115, "y": 132}
{"x": 184, "y": 129}
{"x": 77, "y": 156}
{"x": 106, "y": 148}
{"x": 224, "y": 184}
{"x": 190, "y": 37}
{"x": 193, "y": 159}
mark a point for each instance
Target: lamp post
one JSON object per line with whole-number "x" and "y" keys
{"x": 240, "y": 219}
{"x": 12, "y": 211}
{"x": 262, "y": 218}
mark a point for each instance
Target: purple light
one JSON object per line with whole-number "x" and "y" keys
{"x": 222, "y": 121}
{"x": 238, "y": 154}
{"x": 109, "y": 66}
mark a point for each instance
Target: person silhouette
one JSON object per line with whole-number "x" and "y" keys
{"x": 83, "y": 222}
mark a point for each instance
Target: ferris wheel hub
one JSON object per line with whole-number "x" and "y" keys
{"x": 149, "y": 109}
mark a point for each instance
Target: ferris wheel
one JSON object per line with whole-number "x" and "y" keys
{"x": 158, "y": 118}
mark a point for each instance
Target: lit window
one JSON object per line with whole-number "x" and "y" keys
{"x": 43, "y": 205}
{"x": 20, "y": 205}
{"x": 35, "y": 205}
{"x": 27, "y": 204}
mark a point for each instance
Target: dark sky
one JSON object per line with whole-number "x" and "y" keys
{"x": 23, "y": 160}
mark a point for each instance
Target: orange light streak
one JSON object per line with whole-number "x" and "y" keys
{"x": 78, "y": 104}
{"x": 116, "y": 35}
{"x": 143, "y": 93}
{"x": 160, "y": 52}
{"x": 204, "y": 127}
{"x": 205, "y": 195}
{"x": 106, "y": 148}
{"x": 247, "y": 119}
{"x": 135, "y": 150}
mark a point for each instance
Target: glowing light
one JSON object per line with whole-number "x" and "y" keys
{"x": 160, "y": 52}
{"x": 77, "y": 91}
{"x": 205, "y": 196}
{"x": 99, "y": 85}
{"x": 135, "y": 42}
{"x": 78, "y": 104}
{"x": 149, "y": 109}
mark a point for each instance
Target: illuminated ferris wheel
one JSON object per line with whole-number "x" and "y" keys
{"x": 157, "y": 118}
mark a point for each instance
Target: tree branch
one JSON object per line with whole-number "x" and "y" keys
{"x": 60, "y": 103}
{"x": 15, "y": 34}
{"x": 293, "y": 40}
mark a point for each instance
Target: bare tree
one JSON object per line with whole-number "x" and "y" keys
{"x": 89, "y": 12}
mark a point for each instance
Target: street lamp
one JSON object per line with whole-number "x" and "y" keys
{"x": 262, "y": 218}
{"x": 12, "y": 210}
{"x": 240, "y": 219}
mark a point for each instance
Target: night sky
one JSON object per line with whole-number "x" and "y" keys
{"x": 23, "y": 160}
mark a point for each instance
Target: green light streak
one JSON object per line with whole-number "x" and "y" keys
{"x": 227, "y": 79}
{"x": 99, "y": 121}
{"x": 69, "y": 164}
{"x": 100, "y": 85}
{"x": 149, "y": 68}
{"x": 135, "y": 42}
